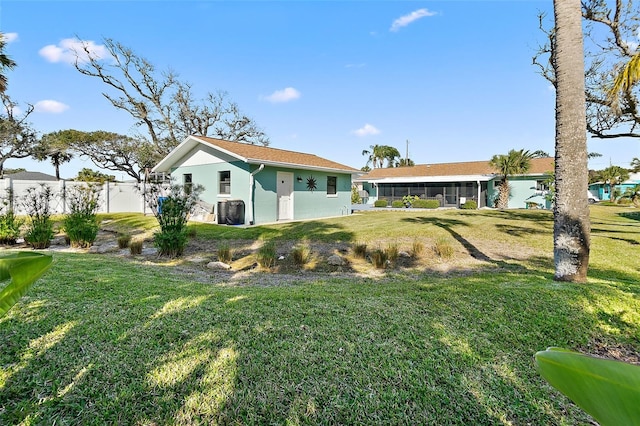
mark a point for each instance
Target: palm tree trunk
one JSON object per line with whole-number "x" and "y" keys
{"x": 503, "y": 195}
{"x": 571, "y": 227}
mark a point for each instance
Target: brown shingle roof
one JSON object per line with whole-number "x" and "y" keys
{"x": 538, "y": 166}
{"x": 257, "y": 154}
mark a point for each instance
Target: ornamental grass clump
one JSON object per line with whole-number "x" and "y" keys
{"x": 135, "y": 247}
{"x": 379, "y": 258}
{"x": 392, "y": 251}
{"x": 301, "y": 254}
{"x": 37, "y": 204}
{"x": 416, "y": 248}
{"x": 82, "y": 225}
{"x": 267, "y": 255}
{"x": 443, "y": 248}
{"x": 123, "y": 241}
{"x": 224, "y": 252}
{"x": 171, "y": 207}
{"x": 360, "y": 250}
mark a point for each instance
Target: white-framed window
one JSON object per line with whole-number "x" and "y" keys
{"x": 224, "y": 179}
{"x": 332, "y": 185}
{"x": 187, "y": 181}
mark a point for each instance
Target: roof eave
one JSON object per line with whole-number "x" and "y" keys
{"x": 300, "y": 166}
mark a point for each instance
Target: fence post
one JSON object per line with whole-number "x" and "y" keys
{"x": 62, "y": 188}
{"x": 106, "y": 197}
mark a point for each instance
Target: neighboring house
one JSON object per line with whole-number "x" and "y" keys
{"x": 602, "y": 189}
{"x": 42, "y": 177}
{"x": 452, "y": 184}
{"x": 264, "y": 184}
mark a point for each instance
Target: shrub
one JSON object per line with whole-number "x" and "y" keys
{"x": 267, "y": 255}
{"x": 360, "y": 250}
{"x": 355, "y": 195}
{"x": 416, "y": 248}
{"x": 224, "y": 252}
{"x": 397, "y": 204}
{"x": 408, "y": 200}
{"x": 379, "y": 258}
{"x": 470, "y": 205}
{"x": 123, "y": 241}
{"x": 36, "y": 203}
{"x": 380, "y": 203}
{"x": 426, "y": 204}
{"x": 9, "y": 227}
{"x": 301, "y": 254}
{"x": 81, "y": 224}
{"x": 171, "y": 207}
{"x": 135, "y": 247}
{"x": 392, "y": 252}
{"x": 443, "y": 248}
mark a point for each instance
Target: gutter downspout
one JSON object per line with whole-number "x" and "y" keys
{"x": 251, "y": 183}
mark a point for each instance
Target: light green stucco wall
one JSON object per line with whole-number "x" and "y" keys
{"x": 523, "y": 190}
{"x": 306, "y": 204}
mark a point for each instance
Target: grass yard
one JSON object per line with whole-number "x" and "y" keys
{"x": 102, "y": 339}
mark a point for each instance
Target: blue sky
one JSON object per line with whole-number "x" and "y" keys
{"x": 325, "y": 77}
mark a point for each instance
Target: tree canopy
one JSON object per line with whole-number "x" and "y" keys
{"x": 17, "y": 137}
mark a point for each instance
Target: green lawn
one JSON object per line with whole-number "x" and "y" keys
{"x": 101, "y": 340}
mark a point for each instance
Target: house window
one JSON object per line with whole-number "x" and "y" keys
{"x": 225, "y": 182}
{"x": 332, "y": 185}
{"x": 542, "y": 185}
{"x": 187, "y": 181}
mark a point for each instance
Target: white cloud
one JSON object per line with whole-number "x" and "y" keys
{"x": 285, "y": 95}
{"x": 366, "y": 130}
{"x": 69, "y": 48}
{"x": 10, "y": 37}
{"x": 50, "y": 107}
{"x": 405, "y": 20}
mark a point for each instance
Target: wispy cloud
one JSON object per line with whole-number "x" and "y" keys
{"x": 285, "y": 95}
{"x": 366, "y": 130}
{"x": 10, "y": 37}
{"x": 71, "y": 48}
{"x": 48, "y": 106}
{"x": 405, "y": 20}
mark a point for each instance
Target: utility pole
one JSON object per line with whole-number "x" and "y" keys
{"x": 407, "y": 154}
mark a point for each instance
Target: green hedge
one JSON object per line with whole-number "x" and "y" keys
{"x": 380, "y": 203}
{"x": 426, "y": 204}
{"x": 469, "y": 205}
{"x": 397, "y": 204}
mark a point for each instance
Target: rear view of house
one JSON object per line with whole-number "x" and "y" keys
{"x": 250, "y": 184}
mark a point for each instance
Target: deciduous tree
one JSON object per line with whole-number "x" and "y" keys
{"x": 17, "y": 137}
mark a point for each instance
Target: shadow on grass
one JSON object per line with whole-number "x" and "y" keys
{"x": 630, "y": 215}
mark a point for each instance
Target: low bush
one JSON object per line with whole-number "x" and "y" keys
{"x": 360, "y": 250}
{"x": 267, "y": 255}
{"x": 380, "y": 203}
{"x": 82, "y": 224}
{"x": 469, "y": 205}
{"x": 426, "y": 204}
{"x": 135, "y": 247}
{"x": 123, "y": 241}
{"x": 397, "y": 204}
{"x": 9, "y": 227}
{"x": 170, "y": 242}
{"x": 443, "y": 248}
{"x": 224, "y": 252}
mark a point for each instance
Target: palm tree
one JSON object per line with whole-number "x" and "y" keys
{"x": 633, "y": 195}
{"x": 5, "y": 63}
{"x": 635, "y": 165}
{"x": 627, "y": 77}
{"x": 391, "y": 154}
{"x": 379, "y": 153}
{"x": 513, "y": 163}
{"x": 571, "y": 226}
{"x": 56, "y": 146}
{"x": 612, "y": 176}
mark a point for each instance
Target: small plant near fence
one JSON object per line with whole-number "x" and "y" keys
{"x": 443, "y": 248}
{"x": 224, "y": 252}
{"x": 37, "y": 204}
{"x": 82, "y": 225}
{"x": 380, "y": 203}
{"x": 9, "y": 224}
{"x": 171, "y": 206}
{"x": 397, "y": 204}
{"x": 267, "y": 255}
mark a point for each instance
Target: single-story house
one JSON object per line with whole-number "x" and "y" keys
{"x": 603, "y": 190}
{"x": 455, "y": 183}
{"x": 251, "y": 184}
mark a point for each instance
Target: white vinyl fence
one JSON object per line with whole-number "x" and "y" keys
{"x": 115, "y": 197}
